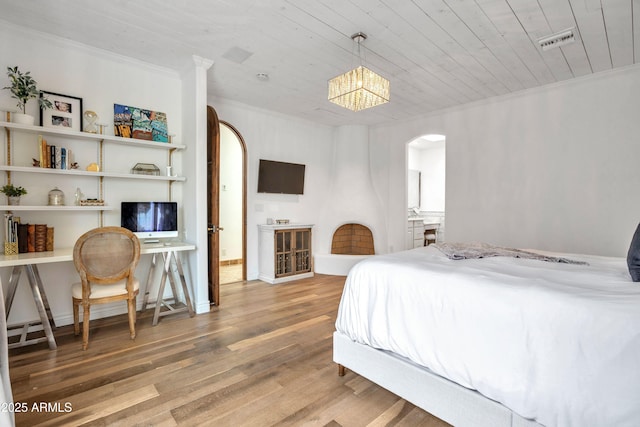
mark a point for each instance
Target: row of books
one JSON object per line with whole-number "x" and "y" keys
{"x": 54, "y": 157}
{"x": 30, "y": 237}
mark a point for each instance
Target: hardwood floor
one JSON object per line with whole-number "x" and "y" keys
{"x": 230, "y": 273}
{"x": 263, "y": 358}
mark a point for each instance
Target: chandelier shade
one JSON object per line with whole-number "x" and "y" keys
{"x": 359, "y": 88}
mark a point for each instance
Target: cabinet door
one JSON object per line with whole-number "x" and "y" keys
{"x": 283, "y": 253}
{"x": 303, "y": 251}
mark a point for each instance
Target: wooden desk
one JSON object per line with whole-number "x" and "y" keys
{"x": 29, "y": 262}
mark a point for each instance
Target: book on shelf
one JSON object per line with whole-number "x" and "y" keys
{"x": 52, "y": 156}
{"x": 31, "y": 237}
{"x": 40, "y": 239}
{"x": 22, "y": 238}
{"x": 63, "y": 158}
{"x": 49, "y": 245}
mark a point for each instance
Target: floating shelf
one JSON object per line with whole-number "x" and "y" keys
{"x": 54, "y": 208}
{"x": 76, "y": 172}
{"x": 70, "y": 134}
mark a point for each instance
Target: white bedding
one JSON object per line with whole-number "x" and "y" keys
{"x": 557, "y": 343}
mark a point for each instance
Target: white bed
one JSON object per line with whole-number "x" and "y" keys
{"x": 497, "y": 341}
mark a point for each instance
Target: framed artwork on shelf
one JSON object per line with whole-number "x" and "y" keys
{"x": 138, "y": 123}
{"x": 66, "y": 111}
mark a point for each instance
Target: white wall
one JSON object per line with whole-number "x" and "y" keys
{"x": 101, "y": 79}
{"x": 552, "y": 168}
{"x": 274, "y": 136}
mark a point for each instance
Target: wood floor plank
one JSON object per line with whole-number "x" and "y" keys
{"x": 263, "y": 358}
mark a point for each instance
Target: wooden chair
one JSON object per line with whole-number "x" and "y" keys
{"x": 106, "y": 259}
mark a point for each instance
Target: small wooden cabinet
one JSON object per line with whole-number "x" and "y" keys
{"x": 285, "y": 252}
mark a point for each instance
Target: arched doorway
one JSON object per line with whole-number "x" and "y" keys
{"x": 218, "y": 180}
{"x": 233, "y": 195}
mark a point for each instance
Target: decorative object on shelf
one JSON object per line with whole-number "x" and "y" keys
{"x": 13, "y": 193}
{"x": 359, "y": 88}
{"x": 11, "y": 235}
{"x": 10, "y": 248}
{"x": 56, "y": 197}
{"x": 73, "y": 165}
{"x": 35, "y": 162}
{"x": 90, "y": 118}
{"x": 137, "y": 123}
{"x": 145, "y": 169}
{"x": 23, "y": 88}
{"x": 78, "y": 196}
{"x": 282, "y": 221}
{"x": 93, "y": 167}
{"x": 92, "y": 202}
{"x": 66, "y": 111}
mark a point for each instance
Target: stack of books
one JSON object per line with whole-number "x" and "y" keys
{"x": 53, "y": 156}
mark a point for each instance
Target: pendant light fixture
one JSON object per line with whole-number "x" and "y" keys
{"x": 359, "y": 88}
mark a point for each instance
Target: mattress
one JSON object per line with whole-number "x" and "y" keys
{"x": 557, "y": 343}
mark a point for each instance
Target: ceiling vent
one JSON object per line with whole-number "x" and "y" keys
{"x": 237, "y": 55}
{"x": 557, "y": 40}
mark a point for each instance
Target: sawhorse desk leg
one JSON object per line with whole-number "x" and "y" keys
{"x": 42, "y": 305}
{"x": 167, "y": 257}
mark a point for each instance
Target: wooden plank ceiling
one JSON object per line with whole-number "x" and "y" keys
{"x": 436, "y": 53}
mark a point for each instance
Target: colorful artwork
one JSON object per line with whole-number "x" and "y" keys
{"x": 141, "y": 123}
{"x": 159, "y": 126}
{"x": 133, "y": 122}
{"x": 122, "y": 123}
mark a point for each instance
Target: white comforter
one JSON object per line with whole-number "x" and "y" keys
{"x": 558, "y": 343}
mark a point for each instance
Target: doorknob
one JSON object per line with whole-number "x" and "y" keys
{"x": 213, "y": 228}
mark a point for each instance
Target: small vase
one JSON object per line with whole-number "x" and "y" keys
{"x": 14, "y": 200}
{"x": 23, "y": 119}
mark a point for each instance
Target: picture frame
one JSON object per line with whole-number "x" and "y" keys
{"x": 66, "y": 112}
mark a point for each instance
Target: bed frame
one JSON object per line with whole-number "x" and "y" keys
{"x": 445, "y": 399}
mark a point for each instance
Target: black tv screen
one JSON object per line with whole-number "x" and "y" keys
{"x": 280, "y": 177}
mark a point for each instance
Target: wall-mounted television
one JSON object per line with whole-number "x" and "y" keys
{"x": 150, "y": 221}
{"x": 280, "y": 177}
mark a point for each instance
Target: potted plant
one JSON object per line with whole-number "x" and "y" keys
{"x": 23, "y": 88}
{"x": 13, "y": 193}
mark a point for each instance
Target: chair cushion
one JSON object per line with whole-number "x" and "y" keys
{"x": 101, "y": 291}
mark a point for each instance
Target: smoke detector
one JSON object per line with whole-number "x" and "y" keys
{"x": 557, "y": 39}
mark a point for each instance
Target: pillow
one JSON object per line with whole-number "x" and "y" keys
{"x": 633, "y": 256}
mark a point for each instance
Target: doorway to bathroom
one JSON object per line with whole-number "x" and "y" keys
{"x": 426, "y": 173}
